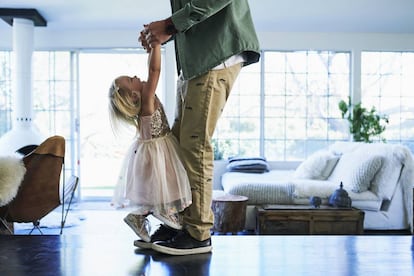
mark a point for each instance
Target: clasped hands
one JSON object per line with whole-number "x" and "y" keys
{"x": 153, "y": 34}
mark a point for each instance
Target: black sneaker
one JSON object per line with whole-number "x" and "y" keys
{"x": 183, "y": 244}
{"x": 163, "y": 233}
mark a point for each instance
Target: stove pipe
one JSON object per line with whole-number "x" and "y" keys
{"x": 23, "y": 132}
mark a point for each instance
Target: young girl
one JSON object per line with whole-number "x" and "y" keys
{"x": 153, "y": 177}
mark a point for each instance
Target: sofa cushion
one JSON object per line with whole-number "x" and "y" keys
{"x": 394, "y": 156}
{"x": 317, "y": 166}
{"x": 356, "y": 170}
{"x": 264, "y": 188}
{"x": 305, "y": 188}
{"x": 367, "y": 205}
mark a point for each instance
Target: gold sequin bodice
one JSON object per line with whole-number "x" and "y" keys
{"x": 155, "y": 125}
{"x": 159, "y": 123}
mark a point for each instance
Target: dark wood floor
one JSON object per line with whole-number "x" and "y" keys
{"x": 232, "y": 255}
{"x": 103, "y": 245}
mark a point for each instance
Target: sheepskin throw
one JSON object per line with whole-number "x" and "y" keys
{"x": 12, "y": 171}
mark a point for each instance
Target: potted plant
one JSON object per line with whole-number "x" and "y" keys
{"x": 364, "y": 124}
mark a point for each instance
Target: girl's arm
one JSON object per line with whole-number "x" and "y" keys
{"x": 149, "y": 88}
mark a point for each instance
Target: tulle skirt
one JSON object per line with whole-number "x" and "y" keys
{"x": 153, "y": 178}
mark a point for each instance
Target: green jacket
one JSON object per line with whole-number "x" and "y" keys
{"x": 211, "y": 31}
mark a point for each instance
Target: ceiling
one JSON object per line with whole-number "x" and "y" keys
{"x": 374, "y": 16}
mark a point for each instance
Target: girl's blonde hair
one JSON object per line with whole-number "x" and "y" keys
{"x": 121, "y": 108}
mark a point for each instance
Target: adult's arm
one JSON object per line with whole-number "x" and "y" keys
{"x": 193, "y": 13}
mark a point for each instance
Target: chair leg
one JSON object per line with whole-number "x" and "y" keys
{"x": 36, "y": 226}
{"x": 5, "y": 226}
{"x": 68, "y": 190}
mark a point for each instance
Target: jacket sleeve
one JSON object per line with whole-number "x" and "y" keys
{"x": 197, "y": 11}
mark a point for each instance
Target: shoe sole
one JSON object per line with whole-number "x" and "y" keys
{"x": 167, "y": 222}
{"x": 136, "y": 232}
{"x": 181, "y": 252}
{"x": 143, "y": 244}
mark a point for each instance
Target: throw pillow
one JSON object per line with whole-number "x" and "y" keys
{"x": 317, "y": 166}
{"x": 248, "y": 165}
{"x": 356, "y": 170}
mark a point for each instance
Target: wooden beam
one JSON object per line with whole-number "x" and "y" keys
{"x": 8, "y": 14}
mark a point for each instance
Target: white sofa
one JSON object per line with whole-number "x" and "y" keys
{"x": 378, "y": 177}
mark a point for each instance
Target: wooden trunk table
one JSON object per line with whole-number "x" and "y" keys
{"x": 229, "y": 212}
{"x": 307, "y": 220}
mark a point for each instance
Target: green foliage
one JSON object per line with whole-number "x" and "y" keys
{"x": 220, "y": 148}
{"x": 364, "y": 124}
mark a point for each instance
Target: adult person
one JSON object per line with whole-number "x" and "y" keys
{"x": 213, "y": 40}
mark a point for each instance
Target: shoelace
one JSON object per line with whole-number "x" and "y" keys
{"x": 145, "y": 226}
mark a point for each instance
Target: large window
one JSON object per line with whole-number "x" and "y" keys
{"x": 388, "y": 85}
{"x": 56, "y": 86}
{"x": 290, "y": 110}
{"x": 53, "y": 100}
{"x": 5, "y": 91}
{"x": 51, "y": 93}
{"x": 238, "y": 131}
{"x": 283, "y": 108}
{"x": 51, "y": 88}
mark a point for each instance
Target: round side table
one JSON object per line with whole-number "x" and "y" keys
{"x": 229, "y": 212}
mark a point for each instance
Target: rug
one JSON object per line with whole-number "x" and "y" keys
{"x": 53, "y": 221}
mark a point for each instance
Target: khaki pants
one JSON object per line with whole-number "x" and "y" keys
{"x": 200, "y": 102}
